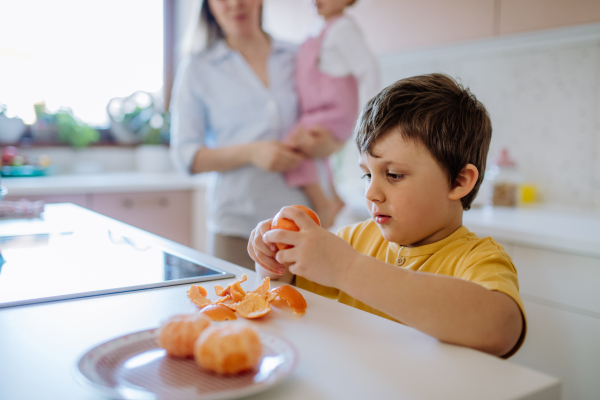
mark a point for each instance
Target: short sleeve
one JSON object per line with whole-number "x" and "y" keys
{"x": 188, "y": 117}
{"x": 494, "y": 270}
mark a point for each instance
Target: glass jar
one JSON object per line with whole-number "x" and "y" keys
{"x": 505, "y": 179}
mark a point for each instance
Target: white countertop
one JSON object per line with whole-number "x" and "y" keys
{"x": 344, "y": 353}
{"x": 120, "y": 182}
{"x": 560, "y": 229}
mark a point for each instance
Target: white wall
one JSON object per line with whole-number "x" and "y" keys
{"x": 542, "y": 91}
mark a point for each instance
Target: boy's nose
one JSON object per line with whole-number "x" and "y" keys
{"x": 374, "y": 193}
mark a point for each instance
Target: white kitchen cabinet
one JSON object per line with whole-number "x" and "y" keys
{"x": 561, "y": 294}
{"x": 563, "y": 343}
{"x": 568, "y": 279}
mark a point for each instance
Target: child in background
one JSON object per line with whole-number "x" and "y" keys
{"x": 423, "y": 144}
{"x": 335, "y": 73}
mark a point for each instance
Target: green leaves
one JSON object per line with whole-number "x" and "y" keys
{"x": 72, "y": 131}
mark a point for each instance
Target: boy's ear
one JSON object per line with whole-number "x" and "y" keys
{"x": 467, "y": 178}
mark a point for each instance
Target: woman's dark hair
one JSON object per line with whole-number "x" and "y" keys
{"x": 213, "y": 29}
{"x": 436, "y": 111}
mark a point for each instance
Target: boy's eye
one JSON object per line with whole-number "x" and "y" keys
{"x": 368, "y": 176}
{"x": 395, "y": 176}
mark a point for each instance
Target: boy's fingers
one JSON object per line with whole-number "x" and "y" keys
{"x": 299, "y": 217}
{"x": 281, "y": 236}
{"x": 260, "y": 246}
{"x": 288, "y": 257}
{"x": 264, "y": 227}
{"x": 270, "y": 264}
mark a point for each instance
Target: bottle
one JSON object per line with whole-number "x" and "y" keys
{"x": 505, "y": 179}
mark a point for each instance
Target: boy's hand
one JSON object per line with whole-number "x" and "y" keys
{"x": 264, "y": 253}
{"x": 318, "y": 255}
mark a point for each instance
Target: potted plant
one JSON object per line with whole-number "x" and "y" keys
{"x": 72, "y": 131}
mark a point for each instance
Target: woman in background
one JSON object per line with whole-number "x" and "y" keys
{"x": 232, "y": 104}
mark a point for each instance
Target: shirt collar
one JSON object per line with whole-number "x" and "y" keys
{"x": 220, "y": 51}
{"x": 428, "y": 248}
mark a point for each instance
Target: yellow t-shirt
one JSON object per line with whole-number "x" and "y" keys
{"x": 461, "y": 255}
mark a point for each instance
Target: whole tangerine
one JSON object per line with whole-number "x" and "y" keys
{"x": 289, "y": 225}
{"x": 178, "y": 334}
{"x": 228, "y": 349}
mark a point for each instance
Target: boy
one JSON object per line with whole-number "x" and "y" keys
{"x": 423, "y": 145}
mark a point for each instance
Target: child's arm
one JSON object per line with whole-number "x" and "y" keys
{"x": 450, "y": 309}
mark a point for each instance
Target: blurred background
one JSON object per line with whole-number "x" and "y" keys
{"x": 97, "y": 76}
{"x": 85, "y": 88}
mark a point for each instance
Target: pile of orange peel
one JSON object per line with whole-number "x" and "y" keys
{"x": 252, "y": 304}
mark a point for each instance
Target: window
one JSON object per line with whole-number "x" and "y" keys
{"x": 79, "y": 54}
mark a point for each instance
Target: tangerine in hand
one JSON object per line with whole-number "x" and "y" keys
{"x": 289, "y": 225}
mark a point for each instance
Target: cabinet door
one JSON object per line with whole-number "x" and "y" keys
{"x": 563, "y": 344}
{"x": 166, "y": 214}
{"x": 559, "y": 277}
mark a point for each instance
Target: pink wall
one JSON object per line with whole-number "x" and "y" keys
{"x": 526, "y": 15}
{"x": 395, "y": 25}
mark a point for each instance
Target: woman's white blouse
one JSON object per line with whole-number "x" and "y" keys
{"x": 219, "y": 101}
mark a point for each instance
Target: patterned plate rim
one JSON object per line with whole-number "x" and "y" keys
{"x": 89, "y": 384}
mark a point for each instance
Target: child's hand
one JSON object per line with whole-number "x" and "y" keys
{"x": 264, "y": 253}
{"x": 298, "y": 138}
{"x": 318, "y": 255}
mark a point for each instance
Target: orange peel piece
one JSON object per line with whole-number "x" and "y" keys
{"x": 223, "y": 299}
{"x": 197, "y": 295}
{"x": 264, "y": 287}
{"x": 253, "y": 306}
{"x": 220, "y": 291}
{"x": 291, "y": 295}
{"x": 223, "y": 292}
{"x": 237, "y": 293}
{"x": 218, "y": 312}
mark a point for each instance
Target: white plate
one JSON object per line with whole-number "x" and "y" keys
{"x": 135, "y": 367}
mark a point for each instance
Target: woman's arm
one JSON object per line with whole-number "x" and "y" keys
{"x": 188, "y": 128}
{"x": 270, "y": 156}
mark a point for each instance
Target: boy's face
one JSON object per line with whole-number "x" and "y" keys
{"x": 407, "y": 191}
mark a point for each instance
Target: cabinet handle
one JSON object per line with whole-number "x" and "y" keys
{"x": 128, "y": 203}
{"x": 163, "y": 202}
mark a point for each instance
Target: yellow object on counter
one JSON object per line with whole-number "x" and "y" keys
{"x": 527, "y": 193}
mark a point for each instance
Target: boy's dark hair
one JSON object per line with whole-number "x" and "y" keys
{"x": 436, "y": 111}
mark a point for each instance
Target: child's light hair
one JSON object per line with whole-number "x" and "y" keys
{"x": 436, "y": 111}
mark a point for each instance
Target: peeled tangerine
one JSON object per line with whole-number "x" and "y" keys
{"x": 289, "y": 225}
{"x": 178, "y": 334}
{"x": 228, "y": 348}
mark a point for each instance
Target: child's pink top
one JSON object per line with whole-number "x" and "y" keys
{"x": 325, "y": 100}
